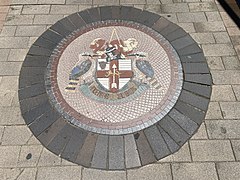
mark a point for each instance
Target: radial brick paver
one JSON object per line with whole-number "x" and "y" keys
{"x": 212, "y": 153}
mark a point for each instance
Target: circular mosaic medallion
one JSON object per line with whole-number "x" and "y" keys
{"x": 114, "y": 88}
{"x": 118, "y": 75}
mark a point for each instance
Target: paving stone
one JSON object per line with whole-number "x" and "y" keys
{"x": 63, "y": 9}
{"x": 104, "y": 2}
{"x": 30, "y": 30}
{"x": 1, "y": 133}
{"x": 222, "y": 37}
{"x": 74, "y": 145}
{"x": 132, "y": 2}
{"x": 209, "y": 26}
{"x": 199, "y": 89}
{"x": 8, "y": 31}
{"x": 131, "y": 153}
{"x": 92, "y": 174}
{"x": 10, "y": 173}
{"x": 156, "y": 141}
{"x": 214, "y": 111}
{"x": 9, "y": 156}
{"x": 144, "y": 149}
{"x": 191, "y": 49}
{"x": 60, "y": 173}
{"x": 202, "y": 6}
{"x": 153, "y": 2}
{"x": 214, "y": 150}
{"x": 19, "y": 137}
{"x": 28, "y": 174}
{"x": 182, "y": 42}
{"x": 236, "y": 89}
{"x": 33, "y": 141}
{"x": 231, "y": 62}
{"x": 201, "y": 132}
{"x": 223, "y": 129}
{"x": 79, "y": 2}
{"x": 31, "y": 91}
{"x": 203, "y": 38}
{"x": 6, "y": 98}
{"x": 215, "y": 63}
{"x": 29, "y": 156}
{"x": 230, "y": 110}
{"x": 14, "y": 42}
{"x": 85, "y": 155}
{"x": 36, "y": 9}
{"x": 46, "y": 19}
{"x": 24, "y": 2}
{"x": 213, "y": 16}
{"x": 46, "y": 136}
{"x": 196, "y": 171}
{"x": 182, "y": 155}
{"x": 4, "y": 54}
{"x": 185, "y": 122}
{"x": 218, "y": 49}
{"x": 101, "y": 153}
{"x": 222, "y": 93}
{"x": 15, "y": 9}
{"x": 194, "y": 100}
{"x": 175, "y": 35}
{"x": 9, "y": 83}
{"x": 10, "y": 116}
{"x": 19, "y": 19}
{"x": 236, "y": 148}
{"x": 226, "y": 77}
{"x": 191, "y": 17}
{"x": 173, "y": 130}
{"x": 190, "y": 111}
{"x": 43, "y": 122}
{"x": 116, "y": 152}
{"x": 47, "y": 158}
{"x": 227, "y": 19}
{"x": 233, "y": 31}
{"x": 188, "y": 27}
{"x": 172, "y": 17}
{"x": 153, "y": 172}
{"x": 228, "y": 170}
{"x": 59, "y": 142}
{"x": 153, "y": 8}
{"x": 17, "y": 54}
{"x": 51, "y": 1}
{"x": 173, "y": 8}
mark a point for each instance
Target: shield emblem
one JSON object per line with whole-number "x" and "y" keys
{"x": 114, "y": 75}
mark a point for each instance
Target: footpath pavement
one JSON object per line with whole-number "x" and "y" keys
{"x": 213, "y": 153}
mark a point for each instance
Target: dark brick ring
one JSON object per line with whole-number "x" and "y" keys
{"x": 127, "y": 108}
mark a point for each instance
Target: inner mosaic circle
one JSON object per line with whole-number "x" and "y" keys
{"x": 117, "y": 74}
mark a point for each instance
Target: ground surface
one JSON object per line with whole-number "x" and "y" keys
{"x": 213, "y": 153}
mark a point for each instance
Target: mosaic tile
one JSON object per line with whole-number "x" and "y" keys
{"x": 136, "y": 79}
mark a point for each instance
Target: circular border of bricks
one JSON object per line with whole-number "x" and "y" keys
{"x": 110, "y": 152}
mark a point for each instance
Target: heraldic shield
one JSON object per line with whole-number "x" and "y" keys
{"x": 113, "y": 75}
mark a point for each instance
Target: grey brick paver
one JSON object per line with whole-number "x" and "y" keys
{"x": 231, "y": 62}
{"x": 47, "y": 158}
{"x": 30, "y": 30}
{"x": 215, "y": 63}
{"x": 8, "y": 31}
{"x": 4, "y": 54}
{"x": 63, "y": 9}
{"x": 215, "y": 26}
{"x": 222, "y": 93}
{"x": 203, "y": 38}
{"x": 17, "y": 55}
{"x": 46, "y": 19}
{"x": 153, "y": 172}
{"x": 194, "y": 171}
{"x": 19, "y": 19}
{"x": 173, "y": 8}
{"x": 202, "y": 6}
{"x": 93, "y": 174}
{"x": 218, "y": 50}
{"x": 28, "y": 174}
{"x": 36, "y": 9}
{"x": 223, "y": 129}
{"x": 59, "y": 173}
{"x": 19, "y": 137}
{"x": 231, "y": 110}
{"x": 236, "y": 148}
{"x": 10, "y": 68}
{"x": 51, "y": 1}
{"x": 14, "y": 42}
{"x": 236, "y": 89}
{"x": 29, "y": 155}
{"x": 214, "y": 150}
{"x": 9, "y": 156}
{"x": 191, "y": 17}
{"x": 226, "y": 77}
{"x": 229, "y": 170}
